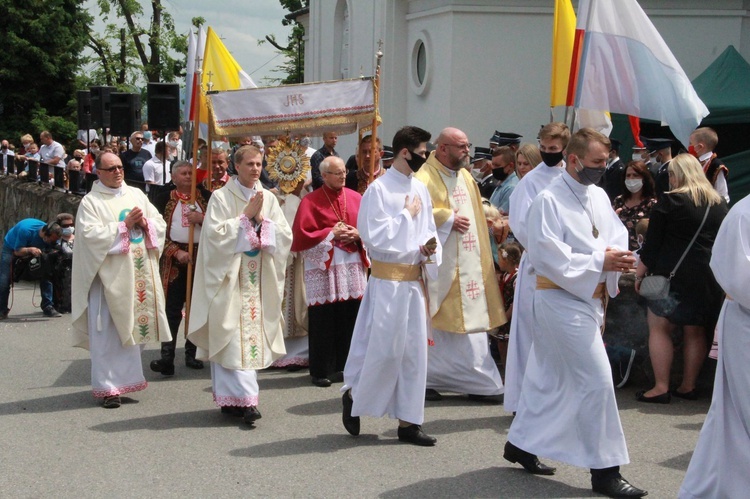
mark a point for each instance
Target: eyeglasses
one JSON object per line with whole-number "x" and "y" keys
{"x": 137, "y": 138}
{"x": 337, "y": 174}
{"x": 461, "y": 146}
{"x": 120, "y": 167}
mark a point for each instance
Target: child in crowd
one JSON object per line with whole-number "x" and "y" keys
{"x": 509, "y": 257}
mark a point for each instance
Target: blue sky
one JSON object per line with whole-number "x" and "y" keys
{"x": 240, "y": 24}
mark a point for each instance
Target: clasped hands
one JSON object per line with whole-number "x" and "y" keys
{"x": 345, "y": 233}
{"x": 253, "y": 208}
{"x": 136, "y": 218}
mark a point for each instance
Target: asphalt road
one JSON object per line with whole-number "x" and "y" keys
{"x": 171, "y": 441}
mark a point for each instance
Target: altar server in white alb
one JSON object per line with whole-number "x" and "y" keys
{"x": 235, "y": 314}
{"x": 578, "y": 248}
{"x": 386, "y": 370}
{"x": 118, "y": 299}
{"x": 553, "y": 139}
{"x": 719, "y": 466}
{"x": 465, "y": 299}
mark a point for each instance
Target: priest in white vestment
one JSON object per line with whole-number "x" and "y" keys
{"x": 719, "y": 466}
{"x": 578, "y": 248}
{"x": 465, "y": 299}
{"x": 386, "y": 370}
{"x": 553, "y": 139}
{"x": 118, "y": 299}
{"x": 235, "y": 313}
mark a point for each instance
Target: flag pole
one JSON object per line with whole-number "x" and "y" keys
{"x": 193, "y": 187}
{"x": 374, "y": 135}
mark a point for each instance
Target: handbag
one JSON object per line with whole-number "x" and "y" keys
{"x": 656, "y": 287}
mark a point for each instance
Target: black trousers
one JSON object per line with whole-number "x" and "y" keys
{"x": 176, "y": 294}
{"x": 330, "y": 333}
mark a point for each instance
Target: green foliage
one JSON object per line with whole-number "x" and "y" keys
{"x": 294, "y": 53}
{"x": 137, "y": 46}
{"x": 42, "y": 41}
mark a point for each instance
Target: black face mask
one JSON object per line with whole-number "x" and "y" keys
{"x": 590, "y": 176}
{"x": 416, "y": 161}
{"x": 551, "y": 158}
{"x": 499, "y": 174}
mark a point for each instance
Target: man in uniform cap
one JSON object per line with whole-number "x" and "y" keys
{"x": 481, "y": 170}
{"x": 663, "y": 150}
{"x": 386, "y": 157}
{"x": 510, "y": 139}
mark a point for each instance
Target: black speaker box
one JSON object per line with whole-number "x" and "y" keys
{"x": 125, "y": 110}
{"x": 84, "y": 109}
{"x": 163, "y": 106}
{"x": 100, "y": 106}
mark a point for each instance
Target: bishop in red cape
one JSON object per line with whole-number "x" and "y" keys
{"x": 325, "y": 234}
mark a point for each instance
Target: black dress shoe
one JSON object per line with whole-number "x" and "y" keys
{"x": 487, "y": 399}
{"x": 337, "y": 377}
{"x": 251, "y": 414}
{"x": 432, "y": 395}
{"x": 664, "y": 398}
{"x": 193, "y": 363}
{"x": 529, "y": 461}
{"x": 614, "y": 485}
{"x": 351, "y": 423}
{"x": 322, "y": 382}
{"x": 691, "y": 395}
{"x": 413, "y": 434}
{"x": 232, "y": 410}
{"x": 162, "y": 366}
{"x": 112, "y": 402}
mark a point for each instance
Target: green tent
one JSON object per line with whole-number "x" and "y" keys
{"x": 724, "y": 88}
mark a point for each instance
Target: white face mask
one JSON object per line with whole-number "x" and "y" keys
{"x": 477, "y": 174}
{"x": 634, "y": 184}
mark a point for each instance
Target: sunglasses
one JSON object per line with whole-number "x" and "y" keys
{"x": 121, "y": 168}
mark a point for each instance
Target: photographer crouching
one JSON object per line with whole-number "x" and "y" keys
{"x": 24, "y": 243}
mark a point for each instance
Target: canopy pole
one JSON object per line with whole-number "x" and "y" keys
{"x": 374, "y": 135}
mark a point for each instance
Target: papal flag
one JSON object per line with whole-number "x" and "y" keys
{"x": 623, "y": 65}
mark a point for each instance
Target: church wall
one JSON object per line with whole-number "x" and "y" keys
{"x": 489, "y": 60}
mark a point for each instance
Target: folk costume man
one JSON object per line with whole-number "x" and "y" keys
{"x": 386, "y": 371}
{"x": 180, "y": 214}
{"x": 567, "y": 410}
{"x": 325, "y": 233}
{"x": 118, "y": 298}
{"x": 718, "y": 467}
{"x": 553, "y": 139}
{"x": 235, "y": 312}
{"x": 703, "y": 141}
{"x": 290, "y": 174}
{"x": 465, "y": 300}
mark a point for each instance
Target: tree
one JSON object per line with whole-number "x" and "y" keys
{"x": 294, "y": 61}
{"x": 42, "y": 41}
{"x": 150, "y": 51}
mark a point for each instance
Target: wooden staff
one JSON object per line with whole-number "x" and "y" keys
{"x": 374, "y": 136}
{"x": 193, "y": 187}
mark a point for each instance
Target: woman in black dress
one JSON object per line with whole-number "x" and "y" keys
{"x": 695, "y": 297}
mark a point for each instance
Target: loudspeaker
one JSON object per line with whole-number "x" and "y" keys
{"x": 100, "y": 106}
{"x": 84, "y": 109}
{"x": 163, "y": 106}
{"x": 125, "y": 112}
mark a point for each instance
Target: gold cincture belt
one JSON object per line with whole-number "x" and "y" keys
{"x": 544, "y": 283}
{"x": 395, "y": 271}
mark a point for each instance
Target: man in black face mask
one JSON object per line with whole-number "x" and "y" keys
{"x": 553, "y": 139}
{"x": 578, "y": 248}
{"x": 504, "y": 170}
{"x": 387, "y": 362}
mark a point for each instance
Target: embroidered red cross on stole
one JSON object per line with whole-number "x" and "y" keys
{"x": 472, "y": 290}
{"x": 469, "y": 241}
{"x": 459, "y": 195}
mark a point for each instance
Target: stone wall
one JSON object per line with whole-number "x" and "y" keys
{"x": 20, "y": 199}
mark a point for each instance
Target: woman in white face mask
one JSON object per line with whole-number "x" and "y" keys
{"x": 637, "y": 199}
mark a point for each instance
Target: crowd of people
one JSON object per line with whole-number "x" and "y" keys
{"x": 435, "y": 271}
